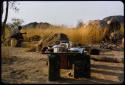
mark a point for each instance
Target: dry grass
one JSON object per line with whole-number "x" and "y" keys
{"x": 90, "y": 34}
{"x": 84, "y": 35}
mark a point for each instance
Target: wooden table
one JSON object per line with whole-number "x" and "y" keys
{"x": 79, "y": 63}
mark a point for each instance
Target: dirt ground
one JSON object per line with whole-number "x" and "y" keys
{"x": 19, "y": 67}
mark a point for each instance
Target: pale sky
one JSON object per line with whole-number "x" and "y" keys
{"x": 65, "y": 12}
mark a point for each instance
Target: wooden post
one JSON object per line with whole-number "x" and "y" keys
{"x": 13, "y": 42}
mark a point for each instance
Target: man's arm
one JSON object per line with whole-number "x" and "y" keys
{"x": 24, "y": 33}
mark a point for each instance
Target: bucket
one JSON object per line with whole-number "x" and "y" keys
{"x": 56, "y": 49}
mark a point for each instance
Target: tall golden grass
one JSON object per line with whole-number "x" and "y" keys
{"x": 84, "y": 35}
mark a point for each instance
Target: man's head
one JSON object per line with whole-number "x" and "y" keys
{"x": 19, "y": 27}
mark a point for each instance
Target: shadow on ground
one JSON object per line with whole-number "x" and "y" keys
{"x": 107, "y": 70}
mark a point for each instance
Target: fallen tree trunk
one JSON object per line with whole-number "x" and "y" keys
{"x": 107, "y": 58}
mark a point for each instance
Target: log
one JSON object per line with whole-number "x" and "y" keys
{"x": 107, "y": 58}
{"x": 95, "y": 51}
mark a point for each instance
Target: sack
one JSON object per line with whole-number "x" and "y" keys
{"x": 13, "y": 42}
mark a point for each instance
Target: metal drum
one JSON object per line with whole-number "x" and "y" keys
{"x": 81, "y": 67}
{"x": 54, "y": 73}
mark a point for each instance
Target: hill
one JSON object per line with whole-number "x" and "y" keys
{"x": 103, "y": 23}
{"x": 118, "y": 18}
{"x": 39, "y": 25}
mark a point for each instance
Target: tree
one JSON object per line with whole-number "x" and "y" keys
{"x": 12, "y": 3}
{"x": 80, "y": 24}
{"x": 5, "y": 20}
{"x": 17, "y": 22}
{"x": 1, "y": 13}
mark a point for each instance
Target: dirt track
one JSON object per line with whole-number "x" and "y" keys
{"x": 30, "y": 67}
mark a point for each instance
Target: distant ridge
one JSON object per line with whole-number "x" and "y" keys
{"x": 102, "y": 23}
{"x": 39, "y": 25}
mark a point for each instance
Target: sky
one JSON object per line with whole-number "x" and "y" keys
{"x": 65, "y": 12}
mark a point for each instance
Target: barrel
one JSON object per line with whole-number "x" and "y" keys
{"x": 54, "y": 72}
{"x": 81, "y": 68}
{"x": 64, "y": 61}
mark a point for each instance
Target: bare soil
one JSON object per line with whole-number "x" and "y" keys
{"x": 19, "y": 67}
